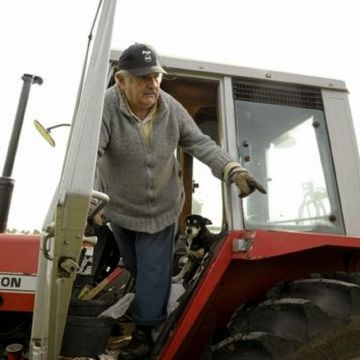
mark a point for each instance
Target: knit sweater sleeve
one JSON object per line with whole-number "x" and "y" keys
{"x": 110, "y": 102}
{"x": 199, "y": 145}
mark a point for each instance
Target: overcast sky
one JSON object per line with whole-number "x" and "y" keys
{"x": 48, "y": 38}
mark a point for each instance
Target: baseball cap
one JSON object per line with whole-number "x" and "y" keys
{"x": 140, "y": 60}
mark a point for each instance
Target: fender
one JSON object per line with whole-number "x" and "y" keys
{"x": 244, "y": 266}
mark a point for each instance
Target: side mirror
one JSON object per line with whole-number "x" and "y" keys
{"x": 45, "y": 132}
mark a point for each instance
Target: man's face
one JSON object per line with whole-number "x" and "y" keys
{"x": 142, "y": 92}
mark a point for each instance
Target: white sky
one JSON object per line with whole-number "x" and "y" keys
{"x": 48, "y": 38}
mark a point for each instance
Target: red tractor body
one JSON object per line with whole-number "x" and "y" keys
{"x": 18, "y": 271}
{"x": 236, "y": 277}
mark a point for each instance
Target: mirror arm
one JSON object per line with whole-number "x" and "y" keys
{"x": 56, "y": 126}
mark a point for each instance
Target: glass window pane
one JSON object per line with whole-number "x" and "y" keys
{"x": 287, "y": 149}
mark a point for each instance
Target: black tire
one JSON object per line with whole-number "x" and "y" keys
{"x": 312, "y": 319}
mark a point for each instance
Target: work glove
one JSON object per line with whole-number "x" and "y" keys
{"x": 247, "y": 184}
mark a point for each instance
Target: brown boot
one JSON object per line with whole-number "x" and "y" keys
{"x": 139, "y": 347}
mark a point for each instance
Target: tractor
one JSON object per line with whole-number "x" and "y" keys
{"x": 283, "y": 281}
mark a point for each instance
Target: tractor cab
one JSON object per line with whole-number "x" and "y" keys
{"x": 296, "y": 135}
{"x": 292, "y": 132}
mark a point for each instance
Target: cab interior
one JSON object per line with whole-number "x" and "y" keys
{"x": 200, "y": 98}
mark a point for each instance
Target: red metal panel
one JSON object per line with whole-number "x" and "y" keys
{"x": 17, "y": 302}
{"x": 18, "y": 269}
{"x": 19, "y": 253}
{"x": 275, "y": 243}
{"x": 235, "y": 277}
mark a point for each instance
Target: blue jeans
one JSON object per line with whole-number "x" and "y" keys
{"x": 148, "y": 257}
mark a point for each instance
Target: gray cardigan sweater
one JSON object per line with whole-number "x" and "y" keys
{"x": 143, "y": 180}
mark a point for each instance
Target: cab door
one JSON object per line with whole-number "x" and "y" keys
{"x": 282, "y": 138}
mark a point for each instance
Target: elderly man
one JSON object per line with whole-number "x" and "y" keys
{"x": 141, "y": 129}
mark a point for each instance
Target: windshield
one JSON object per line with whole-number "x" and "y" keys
{"x": 287, "y": 149}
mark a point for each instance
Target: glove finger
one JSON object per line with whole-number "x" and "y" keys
{"x": 243, "y": 186}
{"x": 256, "y": 185}
{"x": 259, "y": 187}
{"x": 243, "y": 194}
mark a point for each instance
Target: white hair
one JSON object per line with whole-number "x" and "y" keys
{"x": 123, "y": 73}
{"x": 127, "y": 75}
